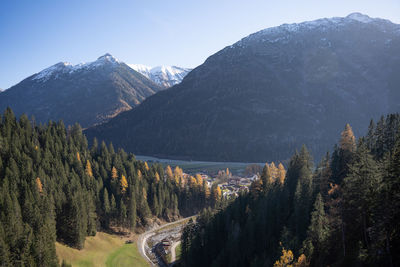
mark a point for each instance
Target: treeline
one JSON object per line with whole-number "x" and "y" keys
{"x": 54, "y": 187}
{"x": 343, "y": 212}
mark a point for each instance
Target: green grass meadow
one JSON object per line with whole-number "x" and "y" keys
{"x": 102, "y": 250}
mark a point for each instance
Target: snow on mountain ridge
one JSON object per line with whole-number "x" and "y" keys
{"x": 140, "y": 68}
{"x": 360, "y": 17}
{"x": 163, "y": 75}
{"x": 282, "y": 32}
{"x": 320, "y": 23}
{"x": 66, "y": 67}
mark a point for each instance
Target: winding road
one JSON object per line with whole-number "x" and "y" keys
{"x": 173, "y": 254}
{"x": 142, "y": 240}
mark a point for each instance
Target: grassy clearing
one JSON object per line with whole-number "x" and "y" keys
{"x": 102, "y": 250}
{"x": 127, "y": 255}
{"x": 178, "y": 252}
{"x": 169, "y": 257}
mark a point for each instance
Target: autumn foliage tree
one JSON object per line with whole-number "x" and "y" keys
{"x": 273, "y": 170}
{"x": 169, "y": 173}
{"x": 157, "y": 177}
{"x": 88, "y": 169}
{"x": 39, "y": 185}
{"x": 123, "y": 184}
{"x": 286, "y": 259}
{"x": 178, "y": 174}
{"x": 343, "y": 154}
{"x": 281, "y": 173}
{"x": 347, "y": 140}
{"x": 114, "y": 173}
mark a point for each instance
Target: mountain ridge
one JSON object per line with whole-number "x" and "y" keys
{"x": 87, "y": 93}
{"x": 165, "y": 76}
{"x": 264, "y": 96}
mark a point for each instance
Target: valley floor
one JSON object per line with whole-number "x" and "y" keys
{"x": 102, "y": 250}
{"x": 210, "y": 167}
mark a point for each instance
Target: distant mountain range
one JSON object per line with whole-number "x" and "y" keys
{"x": 89, "y": 93}
{"x": 165, "y": 76}
{"x": 261, "y": 98}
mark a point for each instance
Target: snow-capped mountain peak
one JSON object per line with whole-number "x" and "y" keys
{"x": 66, "y": 67}
{"x": 166, "y": 76}
{"x": 360, "y": 17}
{"x": 60, "y": 67}
{"x": 107, "y": 58}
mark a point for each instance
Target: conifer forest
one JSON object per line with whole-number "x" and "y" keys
{"x": 342, "y": 212}
{"x": 54, "y": 187}
{"x": 200, "y": 133}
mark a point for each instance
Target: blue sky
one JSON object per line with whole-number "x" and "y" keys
{"x": 37, "y": 34}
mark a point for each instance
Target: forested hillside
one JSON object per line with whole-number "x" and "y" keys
{"x": 343, "y": 212}
{"x": 53, "y": 187}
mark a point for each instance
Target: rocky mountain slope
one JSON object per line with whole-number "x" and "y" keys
{"x": 89, "y": 93}
{"x": 266, "y": 95}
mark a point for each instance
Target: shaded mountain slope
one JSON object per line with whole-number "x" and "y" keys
{"x": 266, "y": 95}
{"x": 88, "y": 93}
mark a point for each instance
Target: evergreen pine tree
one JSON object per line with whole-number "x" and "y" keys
{"x": 317, "y": 234}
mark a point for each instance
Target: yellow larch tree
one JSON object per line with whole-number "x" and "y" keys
{"x": 217, "y": 193}
{"x": 178, "y": 172}
{"x": 274, "y": 170}
{"x": 302, "y": 261}
{"x": 281, "y": 173}
{"x": 228, "y": 173}
{"x": 157, "y": 177}
{"x": 39, "y": 185}
{"x": 114, "y": 173}
{"x": 199, "y": 179}
{"x": 192, "y": 181}
{"x": 286, "y": 259}
{"x": 146, "y": 166}
{"x": 266, "y": 176}
{"x": 139, "y": 174}
{"x": 88, "y": 169}
{"x": 168, "y": 172}
{"x": 78, "y": 156}
{"x": 347, "y": 140}
{"x": 124, "y": 184}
